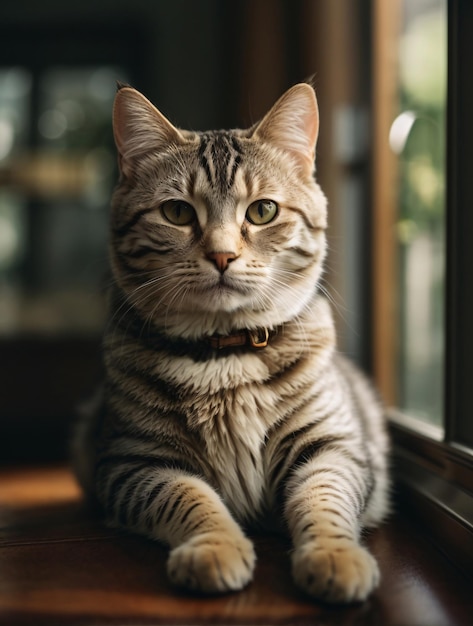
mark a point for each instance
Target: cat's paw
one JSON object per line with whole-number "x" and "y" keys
{"x": 335, "y": 573}
{"x": 212, "y": 564}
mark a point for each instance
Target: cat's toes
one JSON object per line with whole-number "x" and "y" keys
{"x": 343, "y": 573}
{"x": 212, "y": 564}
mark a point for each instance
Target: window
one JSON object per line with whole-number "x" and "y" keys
{"x": 422, "y": 198}
{"x": 57, "y": 169}
{"x": 417, "y": 139}
{"x": 57, "y": 165}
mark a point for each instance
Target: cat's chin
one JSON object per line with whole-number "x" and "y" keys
{"x": 225, "y": 295}
{"x": 222, "y": 299}
{"x": 234, "y": 298}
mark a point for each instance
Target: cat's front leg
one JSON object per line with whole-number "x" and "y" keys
{"x": 323, "y": 501}
{"x": 209, "y": 551}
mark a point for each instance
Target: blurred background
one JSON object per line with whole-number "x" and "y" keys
{"x": 379, "y": 69}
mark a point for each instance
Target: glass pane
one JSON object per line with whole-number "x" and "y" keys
{"x": 15, "y": 95}
{"x": 418, "y": 138}
{"x": 55, "y": 202}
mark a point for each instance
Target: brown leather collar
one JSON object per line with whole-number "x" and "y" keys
{"x": 257, "y": 339}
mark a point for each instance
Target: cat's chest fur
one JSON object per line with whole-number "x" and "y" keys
{"x": 233, "y": 401}
{"x": 230, "y": 409}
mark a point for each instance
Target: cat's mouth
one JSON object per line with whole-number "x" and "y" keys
{"x": 223, "y": 293}
{"x": 228, "y": 285}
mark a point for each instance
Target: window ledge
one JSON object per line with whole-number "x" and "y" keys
{"x": 59, "y": 566}
{"x": 434, "y": 486}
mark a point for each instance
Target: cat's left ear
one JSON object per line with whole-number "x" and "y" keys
{"x": 139, "y": 128}
{"x": 292, "y": 124}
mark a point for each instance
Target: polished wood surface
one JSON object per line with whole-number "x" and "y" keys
{"x": 60, "y": 566}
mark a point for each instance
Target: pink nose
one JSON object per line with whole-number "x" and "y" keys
{"x": 221, "y": 259}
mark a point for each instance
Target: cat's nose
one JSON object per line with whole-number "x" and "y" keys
{"x": 221, "y": 259}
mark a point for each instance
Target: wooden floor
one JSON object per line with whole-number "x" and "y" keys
{"x": 59, "y": 566}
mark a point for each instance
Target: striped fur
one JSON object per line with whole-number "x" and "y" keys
{"x": 190, "y": 443}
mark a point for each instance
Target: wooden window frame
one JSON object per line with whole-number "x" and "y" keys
{"x": 433, "y": 474}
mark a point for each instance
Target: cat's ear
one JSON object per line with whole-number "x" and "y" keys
{"x": 139, "y": 127}
{"x": 292, "y": 124}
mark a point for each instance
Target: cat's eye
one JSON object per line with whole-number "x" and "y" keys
{"x": 178, "y": 212}
{"x": 261, "y": 212}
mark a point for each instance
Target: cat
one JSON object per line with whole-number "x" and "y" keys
{"x": 225, "y": 402}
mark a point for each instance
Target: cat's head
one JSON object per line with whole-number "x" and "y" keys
{"x": 222, "y": 229}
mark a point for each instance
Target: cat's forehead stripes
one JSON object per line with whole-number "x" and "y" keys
{"x": 220, "y": 155}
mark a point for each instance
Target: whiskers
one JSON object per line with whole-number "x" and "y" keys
{"x": 283, "y": 287}
{"x": 151, "y": 303}
{"x": 170, "y": 299}
{"x": 334, "y": 297}
{"x": 175, "y": 293}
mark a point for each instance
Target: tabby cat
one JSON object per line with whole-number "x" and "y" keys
{"x": 225, "y": 403}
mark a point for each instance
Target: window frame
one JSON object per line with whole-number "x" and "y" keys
{"x": 433, "y": 475}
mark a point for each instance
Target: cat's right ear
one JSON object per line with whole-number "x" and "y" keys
{"x": 139, "y": 128}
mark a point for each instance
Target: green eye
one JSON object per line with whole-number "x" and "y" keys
{"x": 261, "y": 212}
{"x": 178, "y": 212}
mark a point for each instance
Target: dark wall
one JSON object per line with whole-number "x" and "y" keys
{"x": 182, "y": 52}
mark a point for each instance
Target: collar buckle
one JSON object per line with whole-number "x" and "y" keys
{"x": 258, "y": 338}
